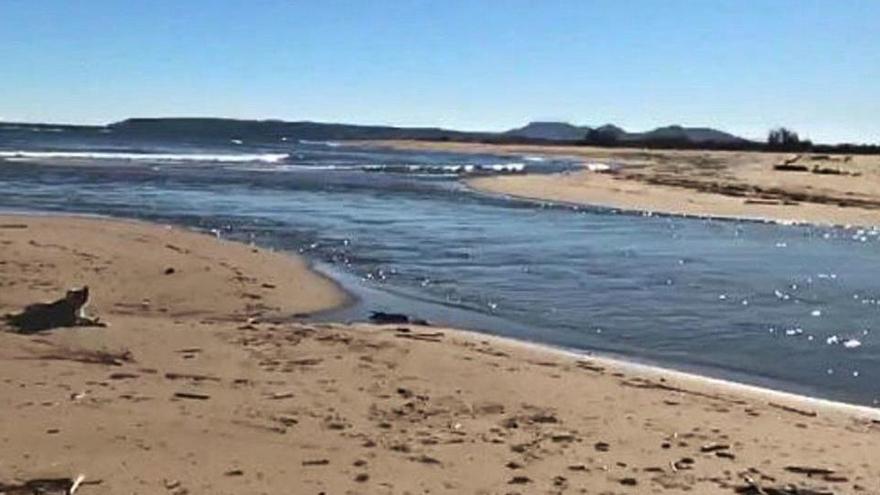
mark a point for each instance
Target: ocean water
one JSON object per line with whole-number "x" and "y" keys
{"x": 790, "y": 307}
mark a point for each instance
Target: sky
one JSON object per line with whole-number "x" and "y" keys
{"x": 742, "y": 66}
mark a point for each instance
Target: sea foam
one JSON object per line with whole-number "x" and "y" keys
{"x": 147, "y": 157}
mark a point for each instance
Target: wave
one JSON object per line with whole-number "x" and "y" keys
{"x": 294, "y": 168}
{"x": 279, "y": 162}
{"x": 329, "y": 144}
{"x": 467, "y": 169}
{"x": 449, "y": 170}
{"x": 600, "y": 167}
{"x": 30, "y": 128}
{"x": 147, "y": 157}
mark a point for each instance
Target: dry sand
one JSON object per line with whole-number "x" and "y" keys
{"x": 203, "y": 400}
{"x": 695, "y": 183}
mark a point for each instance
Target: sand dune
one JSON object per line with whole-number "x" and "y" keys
{"x": 202, "y": 384}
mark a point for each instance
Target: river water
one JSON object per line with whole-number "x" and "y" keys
{"x": 790, "y": 307}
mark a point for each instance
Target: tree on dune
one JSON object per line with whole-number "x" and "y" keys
{"x": 786, "y": 139}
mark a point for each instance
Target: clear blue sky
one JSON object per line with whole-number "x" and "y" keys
{"x": 739, "y": 65}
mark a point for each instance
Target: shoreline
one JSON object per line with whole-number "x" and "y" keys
{"x": 349, "y": 299}
{"x": 735, "y": 380}
{"x": 326, "y": 293}
{"x": 198, "y": 367}
{"x": 699, "y": 380}
{"x": 692, "y": 183}
{"x": 651, "y": 213}
{"x": 495, "y": 186}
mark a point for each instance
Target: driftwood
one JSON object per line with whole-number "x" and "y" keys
{"x": 383, "y": 318}
{"x": 86, "y": 356}
{"x": 191, "y": 376}
{"x": 809, "y": 471}
{"x": 784, "y": 167}
{"x": 802, "y": 412}
{"x": 647, "y": 384}
{"x": 425, "y": 337}
{"x": 752, "y": 487}
{"x": 190, "y": 395}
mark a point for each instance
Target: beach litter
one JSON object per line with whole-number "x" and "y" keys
{"x": 191, "y": 396}
{"x": 383, "y": 318}
{"x": 752, "y": 487}
{"x": 87, "y": 356}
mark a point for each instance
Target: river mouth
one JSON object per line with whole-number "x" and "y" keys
{"x": 790, "y": 307}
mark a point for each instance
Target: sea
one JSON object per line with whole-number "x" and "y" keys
{"x": 789, "y": 307}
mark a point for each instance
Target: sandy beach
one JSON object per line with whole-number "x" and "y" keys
{"x": 205, "y": 382}
{"x": 837, "y": 190}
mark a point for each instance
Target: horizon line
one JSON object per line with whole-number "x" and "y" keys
{"x": 805, "y": 135}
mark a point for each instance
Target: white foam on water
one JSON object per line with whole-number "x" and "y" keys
{"x": 287, "y": 168}
{"x": 847, "y": 342}
{"x": 46, "y": 129}
{"x": 451, "y": 170}
{"x": 508, "y": 167}
{"x": 598, "y": 167}
{"x": 512, "y": 167}
{"x": 147, "y": 157}
{"x": 330, "y": 144}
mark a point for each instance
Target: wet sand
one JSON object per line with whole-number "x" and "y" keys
{"x": 203, "y": 384}
{"x": 823, "y": 189}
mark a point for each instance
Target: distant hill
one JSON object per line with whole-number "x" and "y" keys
{"x": 610, "y": 133}
{"x": 213, "y": 130}
{"x": 551, "y": 131}
{"x": 277, "y": 129}
{"x": 611, "y": 130}
{"x": 256, "y": 130}
{"x": 695, "y": 135}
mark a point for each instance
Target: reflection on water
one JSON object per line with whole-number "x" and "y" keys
{"x": 794, "y": 307}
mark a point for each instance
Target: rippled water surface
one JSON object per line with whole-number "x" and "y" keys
{"x": 792, "y": 307}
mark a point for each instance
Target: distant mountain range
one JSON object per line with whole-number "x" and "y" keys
{"x": 534, "y": 131}
{"x": 542, "y": 131}
{"x": 550, "y": 131}
{"x": 277, "y": 129}
{"x": 224, "y": 130}
{"x": 215, "y": 130}
{"x": 563, "y": 131}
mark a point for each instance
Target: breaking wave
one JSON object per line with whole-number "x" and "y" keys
{"x": 467, "y": 169}
{"x": 329, "y": 144}
{"x": 147, "y": 157}
{"x": 444, "y": 170}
